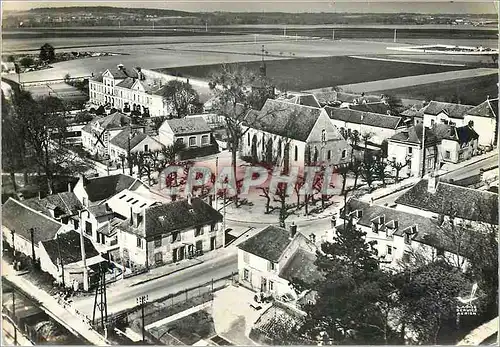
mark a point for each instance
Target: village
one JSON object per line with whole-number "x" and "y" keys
{"x": 170, "y": 210}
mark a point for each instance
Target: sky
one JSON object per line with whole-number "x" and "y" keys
{"x": 366, "y": 6}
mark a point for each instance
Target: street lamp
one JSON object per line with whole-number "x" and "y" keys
{"x": 82, "y": 248}
{"x": 142, "y": 300}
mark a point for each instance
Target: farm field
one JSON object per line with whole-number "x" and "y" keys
{"x": 309, "y": 73}
{"x": 470, "y": 91}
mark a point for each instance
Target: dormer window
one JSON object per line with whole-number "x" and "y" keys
{"x": 375, "y": 227}
{"x": 382, "y": 219}
{"x": 414, "y": 229}
{"x": 407, "y": 238}
{"x": 358, "y": 213}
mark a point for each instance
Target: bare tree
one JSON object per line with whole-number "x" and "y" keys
{"x": 181, "y": 96}
{"x": 343, "y": 171}
{"x": 281, "y": 196}
{"x": 398, "y": 166}
{"x": 381, "y": 169}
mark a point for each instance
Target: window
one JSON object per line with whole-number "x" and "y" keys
{"x": 204, "y": 140}
{"x": 407, "y": 238}
{"x": 214, "y": 227}
{"x": 375, "y": 227}
{"x": 248, "y": 139}
{"x": 323, "y": 135}
{"x": 406, "y": 257}
{"x": 192, "y": 141}
{"x": 432, "y": 122}
{"x": 447, "y": 155}
{"x": 88, "y": 228}
{"x": 139, "y": 242}
{"x": 198, "y": 231}
{"x": 146, "y": 148}
{"x": 180, "y": 140}
{"x": 271, "y": 285}
{"x": 158, "y": 258}
{"x": 176, "y": 237}
{"x": 344, "y": 154}
{"x": 328, "y": 155}
{"x": 246, "y": 275}
{"x": 246, "y": 257}
{"x": 410, "y": 150}
{"x": 389, "y": 250}
{"x": 296, "y": 154}
{"x": 158, "y": 242}
{"x": 272, "y": 266}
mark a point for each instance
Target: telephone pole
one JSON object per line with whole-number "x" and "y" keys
{"x": 395, "y": 31}
{"x": 142, "y": 300}
{"x": 128, "y": 150}
{"x": 60, "y": 260}
{"x": 333, "y": 34}
{"x": 82, "y": 248}
{"x": 32, "y": 234}
{"x": 14, "y": 315}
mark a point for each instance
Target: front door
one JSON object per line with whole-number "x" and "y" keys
{"x": 199, "y": 246}
{"x": 182, "y": 253}
{"x": 263, "y": 285}
{"x": 212, "y": 243}
{"x": 174, "y": 255}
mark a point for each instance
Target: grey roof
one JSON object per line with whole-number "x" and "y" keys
{"x": 20, "y": 218}
{"x": 121, "y": 140}
{"x": 268, "y": 244}
{"x": 118, "y": 73}
{"x": 366, "y": 118}
{"x": 413, "y": 112}
{"x": 126, "y": 83}
{"x": 67, "y": 247}
{"x": 115, "y": 120}
{"x": 175, "y": 216}
{"x": 452, "y": 110}
{"x": 301, "y": 266}
{"x": 467, "y": 203}
{"x": 301, "y": 99}
{"x": 428, "y": 230}
{"x": 488, "y": 108}
{"x": 188, "y": 125}
{"x": 413, "y": 135}
{"x": 285, "y": 119}
{"x": 66, "y": 203}
{"x": 375, "y": 107}
{"x": 102, "y": 188}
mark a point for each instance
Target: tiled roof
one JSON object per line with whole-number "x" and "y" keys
{"x": 285, "y": 119}
{"x": 176, "y": 215}
{"x": 488, "y": 108}
{"x": 467, "y": 203}
{"x": 428, "y": 230}
{"x": 100, "y": 210}
{"x": 121, "y": 140}
{"x": 188, "y": 125}
{"x": 366, "y": 118}
{"x": 413, "y": 112}
{"x": 66, "y": 202}
{"x": 351, "y": 98}
{"x": 101, "y": 188}
{"x": 269, "y": 244}
{"x": 452, "y": 110}
{"x": 302, "y": 267}
{"x": 466, "y": 134}
{"x": 375, "y": 107}
{"x": 20, "y": 218}
{"x": 127, "y": 83}
{"x": 68, "y": 247}
{"x": 414, "y": 135}
{"x": 112, "y": 121}
{"x": 301, "y": 99}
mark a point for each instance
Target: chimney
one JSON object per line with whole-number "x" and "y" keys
{"x": 293, "y": 230}
{"x": 69, "y": 187}
{"x": 136, "y": 219}
{"x": 39, "y": 195}
{"x": 131, "y": 216}
{"x": 432, "y": 183}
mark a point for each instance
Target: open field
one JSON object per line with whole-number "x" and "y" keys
{"x": 471, "y": 91}
{"x": 308, "y": 73}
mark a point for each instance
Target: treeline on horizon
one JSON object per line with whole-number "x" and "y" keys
{"x": 137, "y": 16}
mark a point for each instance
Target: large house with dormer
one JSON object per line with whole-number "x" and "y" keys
{"x": 131, "y": 89}
{"x": 292, "y": 135}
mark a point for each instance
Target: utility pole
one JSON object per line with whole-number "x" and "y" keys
{"x": 14, "y": 315}
{"x": 333, "y": 34}
{"x": 60, "y": 260}
{"x": 284, "y": 32}
{"x": 395, "y": 31}
{"x": 224, "y": 219}
{"x": 423, "y": 150}
{"x": 142, "y": 300}
{"x": 206, "y": 26}
{"x": 32, "y": 234}
{"x": 128, "y": 150}
{"x": 14, "y": 248}
{"x": 102, "y": 304}
{"x": 82, "y": 248}
{"x": 216, "y": 175}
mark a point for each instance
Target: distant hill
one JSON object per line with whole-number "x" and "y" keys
{"x": 54, "y": 11}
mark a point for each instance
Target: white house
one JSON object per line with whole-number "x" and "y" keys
{"x": 23, "y": 227}
{"x": 8, "y": 67}
{"x": 62, "y": 258}
{"x": 96, "y": 191}
{"x": 399, "y": 236}
{"x": 289, "y": 135}
{"x": 99, "y": 131}
{"x": 269, "y": 260}
{"x": 436, "y": 112}
{"x": 136, "y": 141}
{"x": 433, "y": 198}
{"x": 131, "y": 89}
{"x": 167, "y": 233}
{"x": 192, "y": 131}
{"x": 380, "y": 126}
{"x": 485, "y": 118}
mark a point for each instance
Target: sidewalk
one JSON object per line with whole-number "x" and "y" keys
{"x": 68, "y": 319}
{"x": 450, "y": 167}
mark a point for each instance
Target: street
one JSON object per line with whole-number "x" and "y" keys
{"x": 121, "y": 297}
{"x": 472, "y": 169}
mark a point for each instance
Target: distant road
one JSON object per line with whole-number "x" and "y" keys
{"x": 472, "y": 169}
{"x": 411, "y": 81}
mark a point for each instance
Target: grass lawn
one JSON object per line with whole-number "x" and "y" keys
{"x": 309, "y": 73}
{"x": 470, "y": 91}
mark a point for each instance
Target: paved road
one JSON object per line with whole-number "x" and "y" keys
{"x": 472, "y": 169}
{"x": 121, "y": 298}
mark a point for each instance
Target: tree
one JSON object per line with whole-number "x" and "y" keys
{"x": 428, "y": 298}
{"x": 354, "y": 139}
{"x": 234, "y": 100}
{"x": 40, "y": 121}
{"x": 395, "y": 104}
{"x": 181, "y": 96}
{"x": 343, "y": 171}
{"x": 356, "y": 168}
{"x": 398, "y": 167}
{"x": 26, "y": 61}
{"x": 47, "y": 53}
{"x": 381, "y": 169}
{"x": 281, "y": 196}
{"x": 353, "y": 295}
